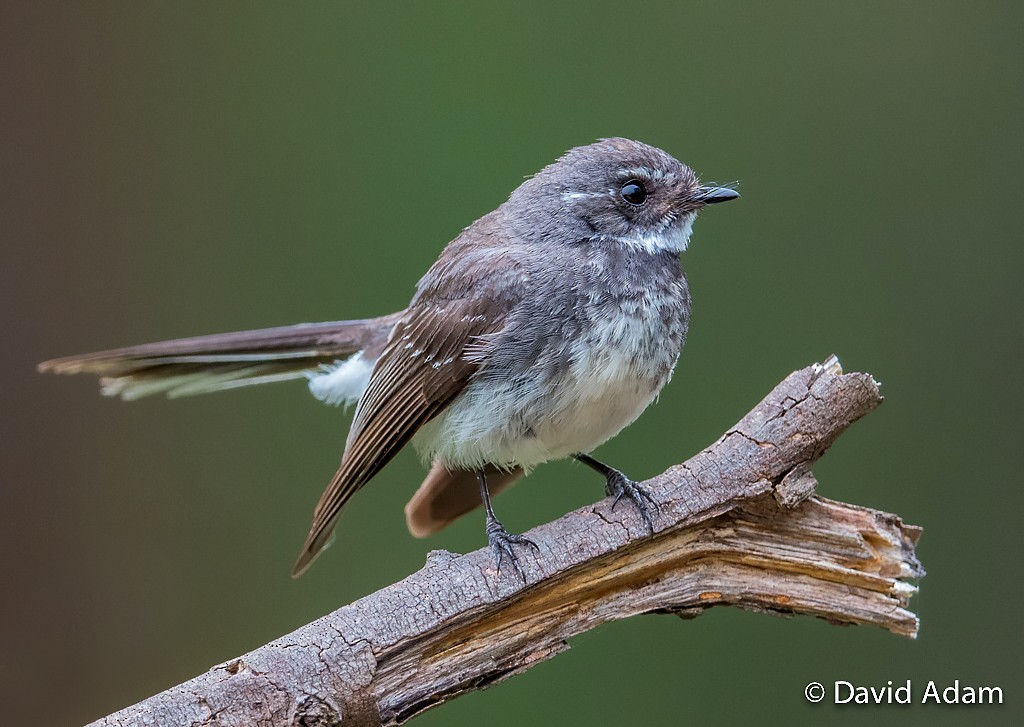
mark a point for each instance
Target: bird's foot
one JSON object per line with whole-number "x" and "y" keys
{"x": 617, "y": 485}
{"x": 501, "y": 541}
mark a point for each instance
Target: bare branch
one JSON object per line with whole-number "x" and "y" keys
{"x": 739, "y": 525}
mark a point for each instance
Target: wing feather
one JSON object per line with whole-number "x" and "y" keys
{"x": 419, "y": 373}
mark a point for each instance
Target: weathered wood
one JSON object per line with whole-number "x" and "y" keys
{"x": 738, "y": 525}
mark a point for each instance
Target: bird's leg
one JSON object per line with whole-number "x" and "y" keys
{"x": 617, "y": 485}
{"x": 500, "y": 539}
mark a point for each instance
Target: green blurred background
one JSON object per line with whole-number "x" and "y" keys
{"x": 171, "y": 169}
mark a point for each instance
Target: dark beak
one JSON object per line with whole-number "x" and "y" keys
{"x": 714, "y": 195}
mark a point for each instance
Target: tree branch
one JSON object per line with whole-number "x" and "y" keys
{"x": 739, "y": 525}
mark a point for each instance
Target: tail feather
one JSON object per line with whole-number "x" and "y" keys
{"x": 200, "y": 381}
{"x": 448, "y": 494}
{"x": 201, "y": 364}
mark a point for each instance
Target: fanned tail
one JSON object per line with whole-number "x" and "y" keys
{"x": 201, "y": 364}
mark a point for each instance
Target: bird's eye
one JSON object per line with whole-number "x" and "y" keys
{"x": 634, "y": 192}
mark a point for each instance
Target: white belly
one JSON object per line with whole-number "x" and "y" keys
{"x": 508, "y": 424}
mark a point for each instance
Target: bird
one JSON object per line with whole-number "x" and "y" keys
{"x": 542, "y": 330}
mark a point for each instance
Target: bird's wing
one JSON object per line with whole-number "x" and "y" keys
{"x": 431, "y": 355}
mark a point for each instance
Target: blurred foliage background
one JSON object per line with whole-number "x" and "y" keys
{"x": 172, "y": 169}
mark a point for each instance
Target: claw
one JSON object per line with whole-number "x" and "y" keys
{"x": 501, "y": 542}
{"x": 619, "y": 486}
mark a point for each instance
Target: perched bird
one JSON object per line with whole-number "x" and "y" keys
{"x": 541, "y": 331}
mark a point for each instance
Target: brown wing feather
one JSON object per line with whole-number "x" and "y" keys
{"x": 419, "y": 373}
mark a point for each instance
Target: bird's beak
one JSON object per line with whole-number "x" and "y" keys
{"x": 714, "y": 195}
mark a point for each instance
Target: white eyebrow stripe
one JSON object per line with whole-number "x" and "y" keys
{"x": 573, "y": 196}
{"x": 642, "y": 172}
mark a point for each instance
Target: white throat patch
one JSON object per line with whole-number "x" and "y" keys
{"x": 672, "y": 238}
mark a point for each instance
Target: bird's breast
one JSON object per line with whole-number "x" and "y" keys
{"x": 619, "y": 364}
{"x": 567, "y": 382}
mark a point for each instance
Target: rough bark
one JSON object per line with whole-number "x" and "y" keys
{"x": 738, "y": 525}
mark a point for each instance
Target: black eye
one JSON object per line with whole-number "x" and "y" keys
{"x": 634, "y": 192}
